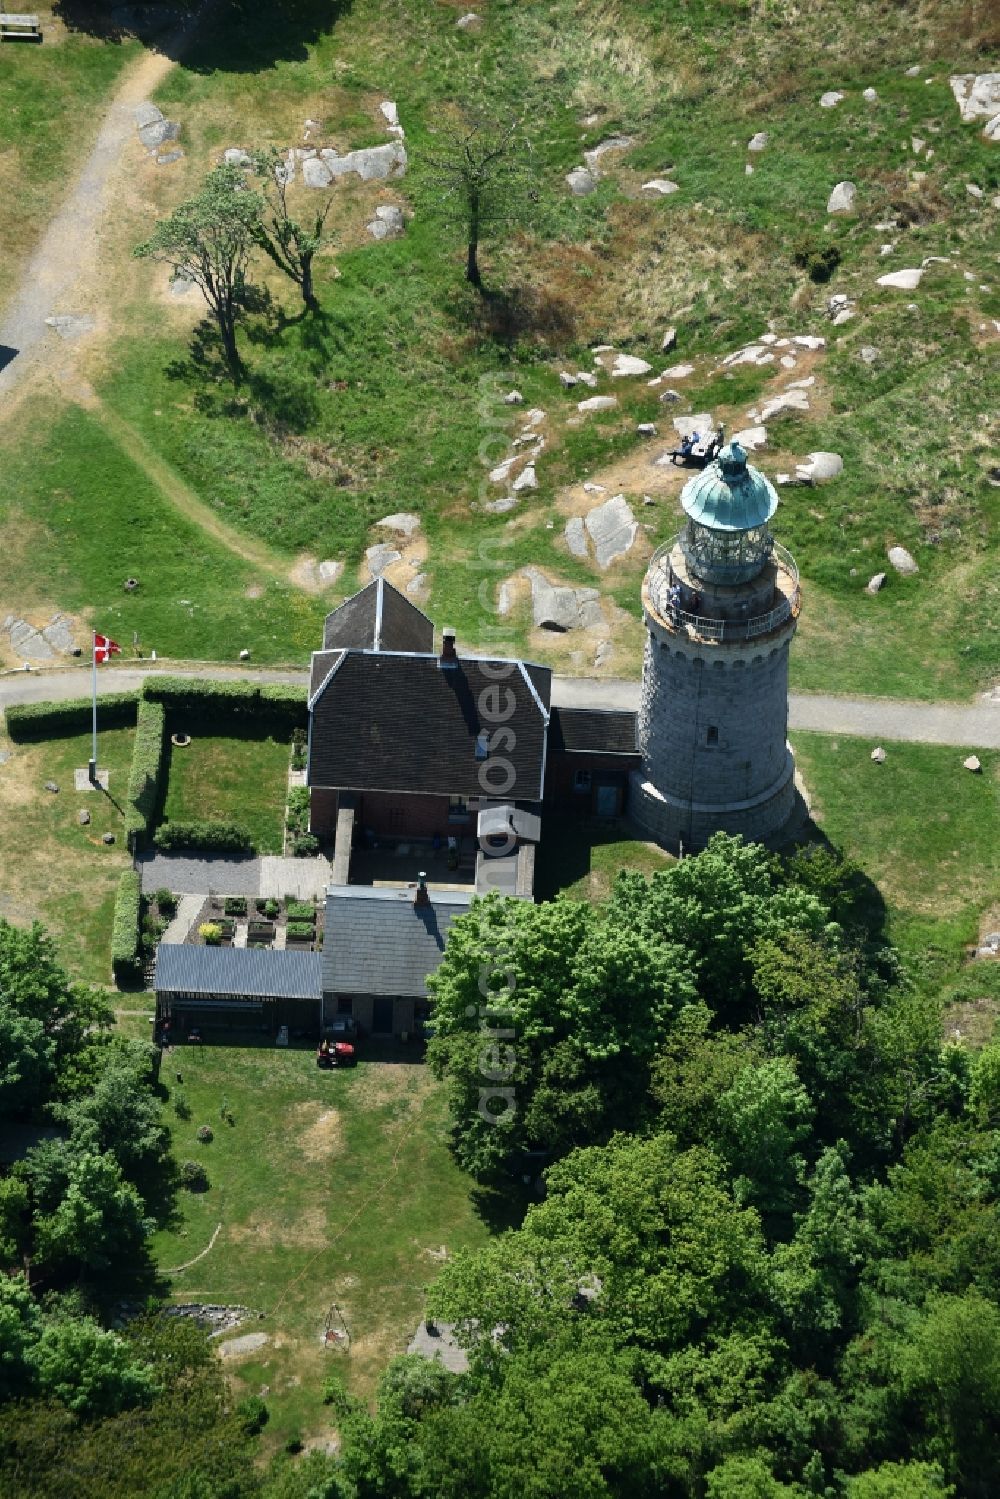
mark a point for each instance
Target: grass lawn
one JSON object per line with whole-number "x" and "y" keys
{"x": 51, "y": 869}
{"x": 50, "y": 102}
{"x": 581, "y": 860}
{"x": 330, "y": 1190}
{"x": 922, "y": 828}
{"x": 241, "y": 780}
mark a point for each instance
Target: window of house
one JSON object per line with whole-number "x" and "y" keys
{"x": 581, "y": 780}
{"x": 458, "y": 806}
{"x": 712, "y": 736}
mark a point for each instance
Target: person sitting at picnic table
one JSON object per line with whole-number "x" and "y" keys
{"x": 688, "y": 445}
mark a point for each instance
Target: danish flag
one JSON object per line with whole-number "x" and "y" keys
{"x": 104, "y": 648}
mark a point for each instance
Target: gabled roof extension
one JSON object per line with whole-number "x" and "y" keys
{"x": 378, "y": 618}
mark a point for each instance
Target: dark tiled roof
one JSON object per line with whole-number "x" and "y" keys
{"x": 378, "y": 618}
{"x": 593, "y": 731}
{"x": 323, "y": 663}
{"x": 377, "y": 942}
{"x": 243, "y": 972}
{"x": 388, "y": 722}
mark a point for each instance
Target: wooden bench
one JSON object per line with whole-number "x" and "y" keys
{"x": 15, "y": 28}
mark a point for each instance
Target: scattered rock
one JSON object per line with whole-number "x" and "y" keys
{"x": 500, "y": 507}
{"x": 669, "y": 340}
{"x": 590, "y": 488}
{"x": 875, "y": 584}
{"x": 868, "y": 354}
{"x": 372, "y": 163}
{"x": 977, "y": 95}
{"x": 59, "y": 635}
{"x": 71, "y": 325}
{"x": 108, "y": 839}
{"x": 841, "y": 200}
{"x": 878, "y": 755}
{"x": 169, "y": 157}
{"x": 526, "y": 479}
{"x": 390, "y": 113}
{"x": 146, "y": 114}
{"x": 576, "y": 536}
{"x": 235, "y": 156}
{"x": 751, "y": 438}
{"x": 700, "y": 421}
{"x": 787, "y": 362}
{"x": 417, "y": 586}
{"x": 83, "y": 817}
{"x": 499, "y": 474}
{"x": 603, "y": 653}
{"x": 403, "y": 521}
{"x": 597, "y": 403}
{"x": 580, "y": 182}
{"x": 612, "y": 528}
{"x": 973, "y": 191}
{"x": 789, "y": 400}
{"x": 51, "y": 786}
{"x": 661, "y": 185}
{"x": 25, "y": 640}
{"x": 902, "y": 561}
{"x": 759, "y": 141}
{"x": 513, "y": 398}
{"x": 586, "y": 378}
{"x": 567, "y": 380}
{"x": 820, "y": 468}
{"x": 670, "y": 396}
{"x": 677, "y": 372}
{"x": 316, "y": 173}
{"x": 249, "y": 1342}
{"x": 646, "y": 429}
{"x": 180, "y": 286}
{"x": 973, "y": 764}
{"x": 907, "y": 280}
{"x": 748, "y": 170}
{"x": 329, "y": 571}
{"x": 561, "y": 608}
{"x": 469, "y": 22}
{"x": 992, "y": 129}
{"x": 158, "y": 132}
{"x": 830, "y": 99}
{"x": 244, "y": 654}
{"x": 870, "y": 95}
{"x": 613, "y": 143}
{"x": 387, "y": 223}
{"x": 379, "y": 557}
{"x": 629, "y": 364}
{"x": 913, "y": 72}
{"x": 810, "y": 341}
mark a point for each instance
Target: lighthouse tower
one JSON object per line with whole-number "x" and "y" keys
{"x": 720, "y": 602}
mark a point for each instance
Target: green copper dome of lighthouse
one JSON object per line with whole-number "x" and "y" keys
{"x": 728, "y": 506}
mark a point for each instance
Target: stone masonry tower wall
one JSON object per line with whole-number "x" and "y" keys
{"x": 720, "y": 603}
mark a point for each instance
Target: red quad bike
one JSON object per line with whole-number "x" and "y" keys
{"x": 336, "y": 1054}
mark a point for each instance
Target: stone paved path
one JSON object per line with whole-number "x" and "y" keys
{"x": 187, "y": 909}
{"x": 976, "y": 725}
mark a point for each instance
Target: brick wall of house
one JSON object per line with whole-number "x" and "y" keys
{"x": 322, "y": 812}
{"x": 396, "y": 815}
{"x": 561, "y": 794}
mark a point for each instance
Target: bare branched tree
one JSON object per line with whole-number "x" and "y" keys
{"x": 485, "y": 183}
{"x": 291, "y": 245}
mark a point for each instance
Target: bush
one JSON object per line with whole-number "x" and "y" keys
{"x": 125, "y": 960}
{"x": 194, "y": 1176}
{"x": 145, "y": 782}
{"x": 210, "y": 933}
{"x": 206, "y": 1134}
{"x": 304, "y": 845}
{"x": 261, "y": 905}
{"x": 301, "y": 929}
{"x": 271, "y": 908}
{"x": 293, "y": 1443}
{"x": 220, "y": 703}
{"x": 817, "y": 259}
{"x": 181, "y": 1106}
{"x": 235, "y": 905}
{"x": 253, "y": 1414}
{"x": 39, "y": 720}
{"x": 300, "y": 910}
{"x": 297, "y": 812}
{"x": 166, "y": 902}
{"x": 222, "y": 837}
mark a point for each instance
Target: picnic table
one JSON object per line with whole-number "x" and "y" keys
{"x": 19, "y": 28}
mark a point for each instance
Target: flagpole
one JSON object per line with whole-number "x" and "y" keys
{"x": 92, "y": 768}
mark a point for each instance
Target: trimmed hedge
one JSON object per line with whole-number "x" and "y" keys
{"x": 301, "y": 929}
{"x": 249, "y": 702}
{"x": 220, "y": 837}
{"x": 126, "y": 961}
{"x": 39, "y": 720}
{"x": 300, "y": 910}
{"x": 146, "y": 780}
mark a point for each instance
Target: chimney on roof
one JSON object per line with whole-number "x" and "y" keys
{"x": 449, "y": 655}
{"x": 422, "y": 898}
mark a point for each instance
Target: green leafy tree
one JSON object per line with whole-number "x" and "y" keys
{"x": 121, "y": 1115}
{"x": 293, "y": 246}
{"x": 98, "y": 1220}
{"x": 547, "y": 1019}
{"x": 900, "y": 1481}
{"x": 484, "y": 183}
{"x": 90, "y": 1371}
{"x": 34, "y": 985}
{"x": 25, "y": 1060}
{"x": 20, "y": 1326}
{"x": 747, "y": 1478}
{"x": 816, "y": 1274}
{"x": 763, "y": 1120}
{"x": 209, "y": 240}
